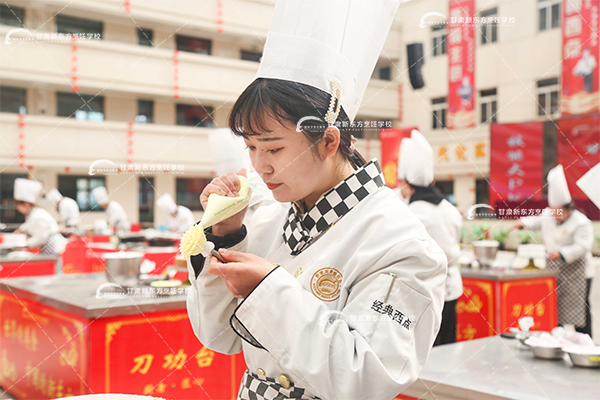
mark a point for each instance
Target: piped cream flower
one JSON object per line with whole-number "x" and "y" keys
{"x": 193, "y": 241}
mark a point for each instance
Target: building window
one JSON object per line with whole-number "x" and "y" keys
{"x": 80, "y": 189}
{"x": 11, "y": 15}
{"x": 439, "y": 107}
{"x": 487, "y": 99}
{"x": 145, "y": 37}
{"x": 446, "y": 187}
{"x": 198, "y": 116}
{"x": 146, "y": 201}
{"x": 489, "y": 30}
{"x": 548, "y": 90}
{"x": 193, "y": 45}
{"x": 189, "y": 190}
{"x": 8, "y": 212}
{"x": 145, "y": 113}
{"x": 81, "y": 107}
{"x": 548, "y": 14}
{"x": 250, "y": 55}
{"x": 385, "y": 73}
{"x": 438, "y": 37}
{"x": 13, "y": 99}
{"x": 70, "y": 25}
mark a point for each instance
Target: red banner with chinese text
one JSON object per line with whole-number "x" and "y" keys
{"x": 390, "y": 151}
{"x": 580, "y": 57}
{"x": 532, "y": 298}
{"x": 516, "y": 163}
{"x": 461, "y": 64}
{"x": 578, "y": 151}
{"x": 475, "y": 310}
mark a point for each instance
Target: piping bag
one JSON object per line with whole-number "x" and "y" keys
{"x": 218, "y": 208}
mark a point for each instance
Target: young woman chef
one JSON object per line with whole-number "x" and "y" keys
{"x": 39, "y": 225}
{"x": 180, "y": 217}
{"x": 68, "y": 209}
{"x": 568, "y": 237}
{"x": 115, "y": 213}
{"x": 441, "y": 219}
{"x": 352, "y": 305}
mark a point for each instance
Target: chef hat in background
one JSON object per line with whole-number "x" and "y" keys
{"x": 323, "y": 43}
{"x": 230, "y": 154}
{"x": 54, "y": 196}
{"x": 27, "y": 190}
{"x": 167, "y": 204}
{"x": 558, "y": 190}
{"x": 100, "y": 194}
{"x": 415, "y": 164}
{"x": 590, "y": 184}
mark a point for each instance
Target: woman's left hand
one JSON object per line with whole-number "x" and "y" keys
{"x": 554, "y": 256}
{"x": 242, "y": 273}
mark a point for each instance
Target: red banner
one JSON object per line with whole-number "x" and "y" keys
{"x": 580, "y": 57}
{"x": 461, "y": 64}
{"x": 529, "y": 298}
{"x": 390, "y": 150}
{"x": 516, "y": 162}
{"x": 475, "y": 310}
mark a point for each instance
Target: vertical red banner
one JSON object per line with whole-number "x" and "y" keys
{"x": 516, "y": 164}
{"x": 461, "y": 64}
{"x": 390, "y": 150}
{"x": 578, "y": 151}
{"x": 580, "y": 57}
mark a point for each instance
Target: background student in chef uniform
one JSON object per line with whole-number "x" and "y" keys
{"x": 115, "y": 214}
{"x": 67, "y": 209}
{"x": 180, "y": 217}
{"x": 590, "y": 185}
{"x": 568, "y": 236}
{"x": 39, "y": 225}
{"x": 353, "y": 305}
{"x": 441, "y": 219}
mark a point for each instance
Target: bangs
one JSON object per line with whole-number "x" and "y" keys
{"x": 266, "y": 101}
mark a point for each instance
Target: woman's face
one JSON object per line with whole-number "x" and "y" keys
{"x": 23, "y": 207}
{"x": 285, "y": 160}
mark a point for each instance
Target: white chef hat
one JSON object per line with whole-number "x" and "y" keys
{"x": 100, "y": 194}
{"x": 590, "y": 184}
{"x": 54, "y": 196}
{"x": 325, "y": 43}
{"x": 558, "y": 190}
{"x": 166, "y": 203}
{"x": 415, "y": 164}
{"x": 27, "y": 190}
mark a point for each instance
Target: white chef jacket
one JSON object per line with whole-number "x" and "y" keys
{"x": 335, "y": 348}
{"x": 69, "y": 212}
{"x": 115, "y": 214}
{"x": 443, "y": 222}
{"x": 43, "y": 232}
{"x": 182, "y": 220}
{"x": 573, "y": 238}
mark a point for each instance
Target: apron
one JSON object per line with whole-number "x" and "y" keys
{"x": 570, "y": 290}
{"x": 256, "y": 387}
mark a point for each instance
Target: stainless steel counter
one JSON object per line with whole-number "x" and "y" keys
{"x": 494, "y": 368}
{"x": 77, "y": 294}
{"x": 34, "y": 258}
{"x": 505, "y": 274}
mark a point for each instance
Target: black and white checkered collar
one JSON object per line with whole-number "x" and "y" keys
{"x": 300, "y": 230}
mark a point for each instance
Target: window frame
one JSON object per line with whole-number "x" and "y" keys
{"x": 90, "y": 30}
{"x": 492, "y": 36}
{"x": 548, "y": 5}
{"x": 439, "y": 108}
{"x": 439, "y": 34}
{"x": 11, "y": 9}
{"x": 194, "y": 204}
{"x": 179, "y": 39}
{"x": 22, "y": 108}
{"x": 139, "y": 112}
{"x": 208, "y": 109}
{"x": 67, "y": 191}
{"x": 547, "y": 87}
{"x": 492, "y": 100}
{"x": 89, "y": 99}
{"x": 145, "y": 37}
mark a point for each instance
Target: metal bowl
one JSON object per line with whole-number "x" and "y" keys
{"x": 485, "y": 252}
{"x": 548, "y": 353}
{"x": 582, "y": 359}
{"x": 123, "y": 267}
{"x": 523, "y": 336}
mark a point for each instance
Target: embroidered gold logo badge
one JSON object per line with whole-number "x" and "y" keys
{"x": 326, "y": 283}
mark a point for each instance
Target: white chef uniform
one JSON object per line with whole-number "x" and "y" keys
{"x": 442, "y": 221}
{"x": 39, "y": 224}
{"x": 352, "y": 316}
{"x": 183, "y": 218}
{"x": 115, "y": 213}
{"x": 354, "y": 306}
{"x": 573, "y": 239}
{"x": 67, "y": 208}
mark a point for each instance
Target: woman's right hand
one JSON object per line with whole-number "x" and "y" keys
{"x": 225, "y": 185}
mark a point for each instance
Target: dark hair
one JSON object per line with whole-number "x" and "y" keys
{"x": 281, "y": 100}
